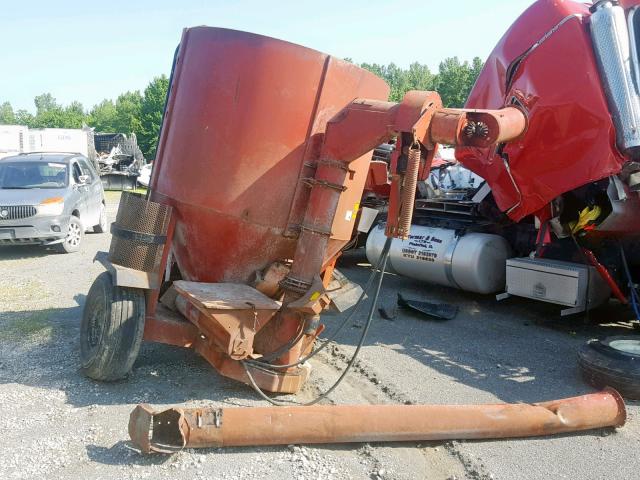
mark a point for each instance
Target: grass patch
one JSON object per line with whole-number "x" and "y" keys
{"x": 114, "y": 195}
{"x": 26, "y": 324}
{"x": 18, "y": 296}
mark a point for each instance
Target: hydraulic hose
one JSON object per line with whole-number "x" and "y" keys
{"x": 383, "y": 258}
{"x": 333, "y": 336}
{"x": 633, "y": 293}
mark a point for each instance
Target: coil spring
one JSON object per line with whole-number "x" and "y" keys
{"x": 409, "y": 192}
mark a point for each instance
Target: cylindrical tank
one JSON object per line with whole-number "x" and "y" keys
{"x": 245, "y": 115}
{"x": 475, "y": 262}
{"x": 611, "y": 44}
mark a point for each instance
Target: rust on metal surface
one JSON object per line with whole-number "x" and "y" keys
{"x": 489, "y": 127}
{"x": 263, "y": 131}
{"x": 306, "y": 141}
{"x": 227, "y": 314}
{"x": 268, "y": 280}
{"x": 287, "y": 381}
{"x": 166, "y": 326}
{"x": 176, "y": 428}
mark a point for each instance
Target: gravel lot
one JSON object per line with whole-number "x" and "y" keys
{"x": 55, "y": 423}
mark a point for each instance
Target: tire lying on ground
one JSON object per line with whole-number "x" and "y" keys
{"x": 613, "y": 362}
{"x": 111, "y": 329}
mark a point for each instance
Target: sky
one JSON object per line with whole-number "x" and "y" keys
{"x": 88, "y": 51}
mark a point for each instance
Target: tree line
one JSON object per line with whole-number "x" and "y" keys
{"x": 141, "y": 112}
{"x": 453, "y": 81}
{"x": 132, "y": 112}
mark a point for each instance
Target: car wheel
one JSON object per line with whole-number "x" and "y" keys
{"x": 74, "y": 237}
{"x": 111, "y": 330}
{"x": 613, "y": 362}
{"x": 103, "y": 226}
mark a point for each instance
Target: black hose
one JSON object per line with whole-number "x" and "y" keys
{"x": 633, "y": 292}
{"x": 384, "y": 257}
{"x": 284, "y": 348}
{"x": 325, "y": 343}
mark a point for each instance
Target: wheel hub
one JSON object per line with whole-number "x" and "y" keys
{"x": 73, "y": 237}
{"x": 626, "y": 346}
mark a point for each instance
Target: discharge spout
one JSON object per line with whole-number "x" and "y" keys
{"x": 177, "y": 428}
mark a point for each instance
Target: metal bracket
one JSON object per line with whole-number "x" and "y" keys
{"x": 137, "y": 236}
{"x": 336, "y": 164}
{"x": 312, "y": 182}
{"x": 317, "y": 231}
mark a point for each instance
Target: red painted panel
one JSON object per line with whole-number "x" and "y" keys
{"x": 239, "y": 117}
{"x": 571, "y": 138}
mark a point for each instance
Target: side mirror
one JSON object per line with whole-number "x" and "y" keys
{"x": 84, "y": 179}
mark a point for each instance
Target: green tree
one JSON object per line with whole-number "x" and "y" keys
{"x": 50, "y": 114}
{"x": 103, "y": 116}
{"x": 152, "y": 109}
{"x": 419, "y": 77}
{"x": 45, "y": 103}
{"x": 476, "y": 67}
{"x": 23, "y": 117}
{"x": 374, "y": 68}
{"x": 455, "y": 80}
{"x": 398, "y": 80}
{"x": 73, "y": 115}
{"x": 51, "y": 118}
{"x": 7, "y": 117}
{"x": 128, "y": 108}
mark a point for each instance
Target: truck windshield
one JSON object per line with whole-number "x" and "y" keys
{"x": 23, "y": 175}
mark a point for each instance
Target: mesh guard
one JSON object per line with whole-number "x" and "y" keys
{"x": 143, "y": 219}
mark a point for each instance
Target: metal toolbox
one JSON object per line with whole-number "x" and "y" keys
{"x": 564, "y": 283}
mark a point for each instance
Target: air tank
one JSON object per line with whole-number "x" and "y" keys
{"x": 474, "y": 262}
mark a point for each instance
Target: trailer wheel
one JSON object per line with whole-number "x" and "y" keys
{"x": 613, "y": 362}
{"x": 111, "y": 330}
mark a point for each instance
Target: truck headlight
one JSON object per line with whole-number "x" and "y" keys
{"x": 51, "y": 206}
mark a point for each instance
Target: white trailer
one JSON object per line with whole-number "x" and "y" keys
{"x": 13, "y": 140}
{"x": 59, "y": 140}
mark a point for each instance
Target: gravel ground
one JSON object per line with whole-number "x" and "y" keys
{"x": 55, "y": 423}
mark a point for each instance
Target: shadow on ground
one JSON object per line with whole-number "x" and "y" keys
{"x": 519, "y": 351}
{"x": 41, "y": 349}
{"x": 21, "y": 252}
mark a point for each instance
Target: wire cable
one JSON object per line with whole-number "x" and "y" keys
{"x": 325, "y": 343}
{"x": 372, "y": 310}
{"x": 633, "y": 293}
{"x": 284, "y": 348}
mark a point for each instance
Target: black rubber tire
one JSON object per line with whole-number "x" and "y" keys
{"x": 111, "y": 330}
{"x": 72, "y": 243}
{"x": 603, "y": 366}
{"x": 103, "y": 226}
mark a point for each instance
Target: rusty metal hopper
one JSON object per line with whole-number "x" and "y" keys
{"x": 243, "y": 114}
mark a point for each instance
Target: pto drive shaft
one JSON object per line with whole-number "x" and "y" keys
{"x": 171, "y": 430}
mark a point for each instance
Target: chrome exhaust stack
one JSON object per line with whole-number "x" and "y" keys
{"x": 611, "y": 42}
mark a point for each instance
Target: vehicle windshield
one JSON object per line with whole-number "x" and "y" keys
{"x": 25, "y": 175}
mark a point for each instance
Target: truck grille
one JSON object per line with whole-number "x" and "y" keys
{"x": 17, "y": 212}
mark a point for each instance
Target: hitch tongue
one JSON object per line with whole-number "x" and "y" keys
{"x": 171, "y": 430}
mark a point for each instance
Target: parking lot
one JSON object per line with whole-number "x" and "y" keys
{"x": 56, "y": 423}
